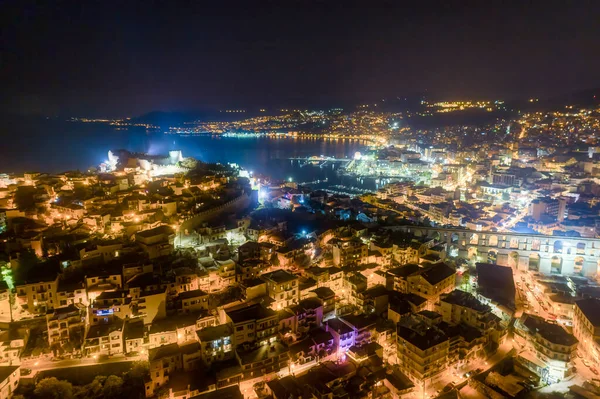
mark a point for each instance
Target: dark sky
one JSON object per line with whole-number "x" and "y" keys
{"x": 124, "y": 58}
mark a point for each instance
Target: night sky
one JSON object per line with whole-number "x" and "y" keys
{"x": 104, "y": 58}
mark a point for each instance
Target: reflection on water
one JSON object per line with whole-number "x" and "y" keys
{"x": 58, "y": 146}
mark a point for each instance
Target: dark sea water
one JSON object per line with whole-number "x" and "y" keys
{"x": 53, "y": 146}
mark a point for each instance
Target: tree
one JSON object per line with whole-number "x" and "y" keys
{"x": 133, "y": 380}
{"x": 466, "y": 279}
{"x": 52, "y": 388}
{"x": 24, "y": 198}
{"x": 92, "y": 390}
{"x": 26, "y": 263}
{"x": 189, "y": 163}
{"x": 139, "y": 370}
{"x": 274, "y": 260}
{"x": 112, "y": 386}
{"x": 81, "y": 193}
{"x": 303, "y": 261}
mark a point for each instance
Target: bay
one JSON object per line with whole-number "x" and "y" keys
{"x": 57, "y": 146}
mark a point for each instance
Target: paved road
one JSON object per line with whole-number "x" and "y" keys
{"x": 456, "y": 375}
{"x": 38, "y": 365}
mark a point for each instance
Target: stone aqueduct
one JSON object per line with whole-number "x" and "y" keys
{"x": 542, "y": 253}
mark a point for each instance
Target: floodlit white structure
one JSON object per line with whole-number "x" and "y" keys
{"x": 533, "y": 252}
{"x": 175, "y": 156}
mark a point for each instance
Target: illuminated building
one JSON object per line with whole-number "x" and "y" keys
{"x": 66, "y": 324}
{"x": 349, "y": 252}
{"x": 549, "y": 349}
{"x": 104, "y": 339}
{"x": 343, "y": 335}
{"x": 432, "y": 282}
{"x": 216, "y": 343}
{"x": 9, "y": 380}
{"x": 282, "y": 288}
{"x": 37, "y": 297}
{"x": 423, "y": 350}
{"x": 586, "y": 327}
{"x": 253, "y": 325}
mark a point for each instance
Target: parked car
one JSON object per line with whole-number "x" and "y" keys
{"x": 448, "y": 387}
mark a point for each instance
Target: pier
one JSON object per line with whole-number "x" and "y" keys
{"x": 320, "y": 161}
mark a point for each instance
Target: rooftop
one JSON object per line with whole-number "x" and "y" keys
{"x": 404, "y": 271}
{"x": 232, "y": 392}
{"x": 102, "y": 330}
{"x": 399, "y": 380}
{"x": 248, "y": 313}
{"x": 176, "y": 321}
{"x": 163, "y": 351}
{"x": 134, "y": 330}
{"x": 549, "y": 331}
{"x": 280, "y": 276}
{"x": 213, "y": 333}
{"x": 338, "y": 326}
{"x": 155, "y": 231}
{"x": 497, "y": 283}
{"x": 360, "y": 321}
{"x": 462, "y": 298}
{"x": 590, "y": 307}
{"x": 376, "y": 291}
{"x": 190, "y": 347}
{"x": 192, "y": 294}
{"x": 64, "y": 312}
{"x": 324, "y": 292}
{"x": 112, "y": 295}
{"x": 437, "y": 273}
{"x": 262, "y": 353}
{"x": 316, "y": 271}
{"x": 423, "y": 337}
{"x": 6, "y": 371}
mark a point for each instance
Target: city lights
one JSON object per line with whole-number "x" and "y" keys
{"x": 352, "y": 207}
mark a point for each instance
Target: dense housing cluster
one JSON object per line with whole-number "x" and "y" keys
{"x": 472, "y": 270}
